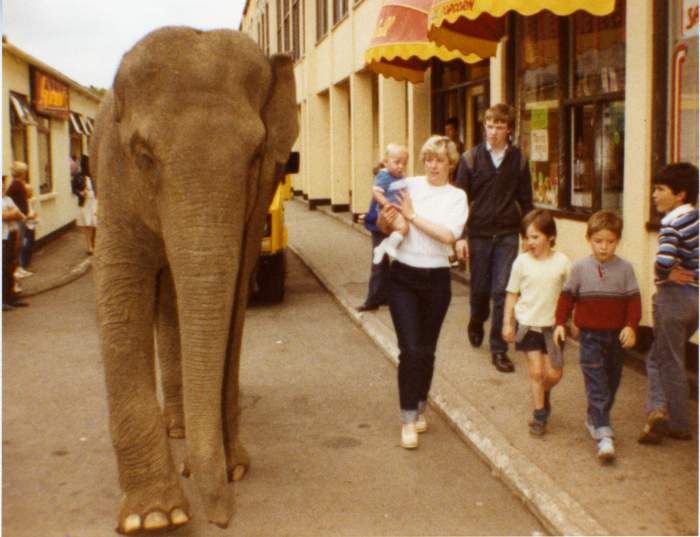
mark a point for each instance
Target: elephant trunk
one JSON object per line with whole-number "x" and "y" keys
{"x": 205, "y": 262}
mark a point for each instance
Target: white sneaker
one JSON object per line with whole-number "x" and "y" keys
{"x": 606, "y": 450}
{"x": 421, "y": 424}
{"x": 409, "y": 436}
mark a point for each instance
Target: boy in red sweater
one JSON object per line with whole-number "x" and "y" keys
{"x": 603, "y": 290}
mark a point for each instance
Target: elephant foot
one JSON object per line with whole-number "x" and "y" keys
{"x": 152, "y": 515}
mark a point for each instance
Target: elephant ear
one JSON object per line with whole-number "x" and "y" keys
{"x": 280, "y": 112}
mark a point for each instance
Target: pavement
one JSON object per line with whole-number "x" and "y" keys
{"x": 650, "y": 490}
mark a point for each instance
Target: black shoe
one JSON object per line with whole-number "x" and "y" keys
{"x": 475, "y": 330}
{"x": 367, "y": 307}
{"x": 537, "y": 427}
{"x": 501, "y": 361}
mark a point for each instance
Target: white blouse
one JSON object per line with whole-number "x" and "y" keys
{"x": 445, "y": 205}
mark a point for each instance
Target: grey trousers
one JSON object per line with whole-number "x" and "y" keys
{"x": 675, "y": 310}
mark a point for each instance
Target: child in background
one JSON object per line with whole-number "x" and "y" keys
{"x": 533, "y": 289}
{"x": 603, "y": 292}
{"x": 675, "y": 303}
{"x": 387, "y": 184}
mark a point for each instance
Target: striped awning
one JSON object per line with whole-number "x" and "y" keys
{"x": 477, "y": 26}
{"x": 400, "y": 47}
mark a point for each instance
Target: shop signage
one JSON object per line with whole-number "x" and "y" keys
{"x": 690, "y": 18}
{"x": 50, "y": 96}
{"x": 539, "y": 145}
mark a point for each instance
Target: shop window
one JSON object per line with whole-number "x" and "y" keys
{"x": 321, "y": 18}
{"x": 20, "y": 118}
{"x": 682, "y": 112}
{"x": 460, "y": 91}
{"x": 296, "y": 34}
{"x": 570, "y": 83}
{"x": 75, "y": 129}
{"x": 340, "y": 9}
{"x": 44, "y": 143}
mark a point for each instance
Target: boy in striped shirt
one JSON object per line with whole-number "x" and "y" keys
{"x": 675, "y": 304}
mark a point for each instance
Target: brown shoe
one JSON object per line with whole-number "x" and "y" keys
{"x": 655, "y": 428}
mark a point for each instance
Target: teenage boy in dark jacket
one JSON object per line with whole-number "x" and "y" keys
{"x": 496, "y": 178}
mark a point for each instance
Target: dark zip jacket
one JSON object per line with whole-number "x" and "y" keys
{"x": 498, "y": 197}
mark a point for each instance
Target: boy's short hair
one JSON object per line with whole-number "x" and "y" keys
{"x": 438, "y": 144}
{"x": 543, "y": 221}
{"x": 679, "y": 177}
{"x": 604, "y": 220}
{"x": 18, "y": 168}
{"x": 501, "y": 113}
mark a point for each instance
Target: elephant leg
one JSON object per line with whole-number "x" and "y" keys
{"x": 153, "y": 498}
{"x": 169, "y": 355}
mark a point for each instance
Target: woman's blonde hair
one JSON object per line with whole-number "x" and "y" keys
{"x": 440, "y": 145}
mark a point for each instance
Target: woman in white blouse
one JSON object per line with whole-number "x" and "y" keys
{"x": 419, "y": 291}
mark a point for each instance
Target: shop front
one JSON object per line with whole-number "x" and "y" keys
{"x": 48, "y": 120}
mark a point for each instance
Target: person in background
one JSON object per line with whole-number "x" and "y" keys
{"x": 83, "y": 188}
{"x": 675, "y": 304}
{"x": 419, "y": 291}
{"x": 17, "y": 190}
{"x": 496, "y": 177}
{"x": 452, "y": 132}
{"x": 533, "y": 289}
{"x": 10, "y": 216}
{"x": 603, "y": 292}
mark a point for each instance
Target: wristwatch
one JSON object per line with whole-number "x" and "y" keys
{"x": 412, "y": 217}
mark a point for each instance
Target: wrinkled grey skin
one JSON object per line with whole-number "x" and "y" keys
{"x": 188, "y": 149}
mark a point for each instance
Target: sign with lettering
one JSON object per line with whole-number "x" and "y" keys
{"x": 539, "y": 145}
{"x": 50, "y": 96}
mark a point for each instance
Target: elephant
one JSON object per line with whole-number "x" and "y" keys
{"x": 188, "y": 148}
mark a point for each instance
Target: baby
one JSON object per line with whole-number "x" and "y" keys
{"x": 387, "y": 184}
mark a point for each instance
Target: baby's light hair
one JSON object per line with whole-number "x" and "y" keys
{"x": 395, "y": 149}
{"x": 440, "y": 145}
{"x": 18, "y": 168}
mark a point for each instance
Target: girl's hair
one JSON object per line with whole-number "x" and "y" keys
{"x": 543, "y": 221}
{"x": 604, "y": 220}
{"x": 440, "y": 145}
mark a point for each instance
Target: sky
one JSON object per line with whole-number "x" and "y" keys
{"x": 85, "y": 39}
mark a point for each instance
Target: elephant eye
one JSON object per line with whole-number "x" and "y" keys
{"x": 142, "y": 153}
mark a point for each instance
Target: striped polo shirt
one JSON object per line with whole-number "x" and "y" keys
{"x": 678, "y": 243}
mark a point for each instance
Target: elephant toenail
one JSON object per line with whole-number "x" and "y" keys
{"x": 238, "y": 472}
{"x": 155, "y": 521}
{"x": 178, "y": 517}
{"x": 131, "y": 523}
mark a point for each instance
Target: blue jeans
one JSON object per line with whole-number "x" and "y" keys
{"x": 379, "y": 276}
{"x": 602, "y": 357}
{"x": 675, "y": 309}
{"x": 26, "y": 246}
{"x": 490, "y": 261}
{"x": 418, "y": 301}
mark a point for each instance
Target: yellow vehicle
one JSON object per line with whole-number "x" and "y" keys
{"x": 269, "y": 275}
